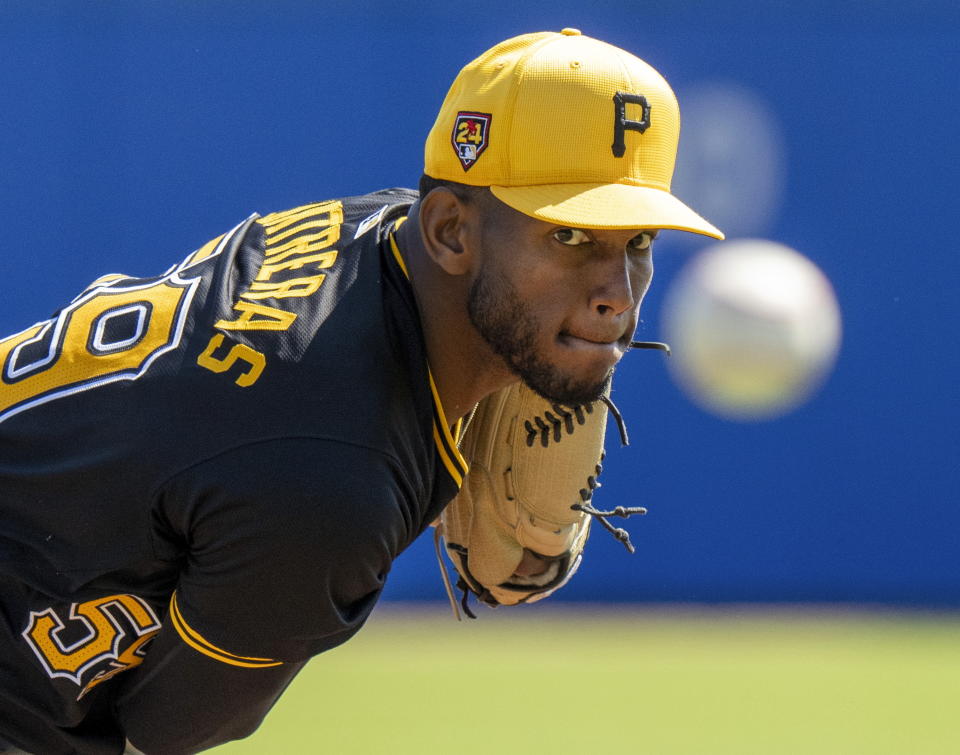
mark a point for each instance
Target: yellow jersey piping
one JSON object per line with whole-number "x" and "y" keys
{"x": 195, "y": 640}
{"x": 446, "y": 440}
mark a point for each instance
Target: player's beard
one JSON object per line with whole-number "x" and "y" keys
{"x": 507, "y": 325}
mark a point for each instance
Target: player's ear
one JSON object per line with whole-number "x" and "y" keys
{"x": 445, "y": 223}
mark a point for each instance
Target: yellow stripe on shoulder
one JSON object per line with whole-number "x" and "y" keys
{"x": 104, "y": 280}
{"x": 204, "y": 251}
{"x": 195, "y": 640}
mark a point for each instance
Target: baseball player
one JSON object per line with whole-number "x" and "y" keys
{"x": 205, "y": 476}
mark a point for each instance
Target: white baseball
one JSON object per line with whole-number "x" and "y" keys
{"x": 754, "y": 327}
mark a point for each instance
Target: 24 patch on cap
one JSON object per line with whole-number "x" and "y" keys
{"x": 471, "y": 134}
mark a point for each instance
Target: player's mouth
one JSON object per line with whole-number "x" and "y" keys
{"x": 597, "y": 345}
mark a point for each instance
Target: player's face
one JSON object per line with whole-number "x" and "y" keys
{"x": 559, "y": 304}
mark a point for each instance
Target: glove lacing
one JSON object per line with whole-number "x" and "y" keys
{"x": 461, "y": 583}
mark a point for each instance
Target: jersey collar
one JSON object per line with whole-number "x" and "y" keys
{"x": 446, "y": 439}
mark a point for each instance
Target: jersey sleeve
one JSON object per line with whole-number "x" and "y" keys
{"x": 289, "y": 545}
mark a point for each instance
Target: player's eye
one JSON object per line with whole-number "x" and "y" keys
{"x": 641, "y": 242}
{"x": 571, "y": 236}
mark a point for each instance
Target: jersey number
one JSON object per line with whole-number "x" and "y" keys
{"x": 110, "y": 632}
{"x": 111, "y": 332}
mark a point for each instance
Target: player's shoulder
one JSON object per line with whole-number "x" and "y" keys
{"x": 290, "y": 540}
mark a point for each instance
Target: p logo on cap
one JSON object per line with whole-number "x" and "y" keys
{"x": 566, "y": 129}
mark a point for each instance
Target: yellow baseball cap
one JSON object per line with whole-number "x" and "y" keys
{"x": 566, "y": 129}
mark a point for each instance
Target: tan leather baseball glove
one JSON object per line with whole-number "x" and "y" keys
{"x": 516, "y": 530}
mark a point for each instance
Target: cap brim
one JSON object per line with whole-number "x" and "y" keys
{"x": 605, "y": 206}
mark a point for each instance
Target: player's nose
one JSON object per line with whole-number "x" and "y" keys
{"x": 614, "y": 287}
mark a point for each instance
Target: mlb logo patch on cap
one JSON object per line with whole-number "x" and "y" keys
{"x": 471, "y": 132}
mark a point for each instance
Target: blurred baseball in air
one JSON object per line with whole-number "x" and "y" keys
{"x": 754, "y": 327}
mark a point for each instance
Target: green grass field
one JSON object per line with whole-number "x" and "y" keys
{"x": 627, "y": 680}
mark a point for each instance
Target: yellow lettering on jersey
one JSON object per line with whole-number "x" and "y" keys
{"x": 238, "y": 353}
{"x": 323, "y": 260}
{"x": 288, "y": 217}
{"x": 100, "y": 618}
{"x": 277, "y": 238}
{"x": 284, "y": 289}
{"x": 303, "y": 244}
{"x": 294, "y": 242}
{"x": 257, "y": 317}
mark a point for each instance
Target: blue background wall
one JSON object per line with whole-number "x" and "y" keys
{"x": 132, "y": 132}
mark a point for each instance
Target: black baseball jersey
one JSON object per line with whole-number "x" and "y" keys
{"x": 205, "y": 477}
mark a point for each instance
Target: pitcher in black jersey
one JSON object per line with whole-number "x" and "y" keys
{"x": 205, "y": 476}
